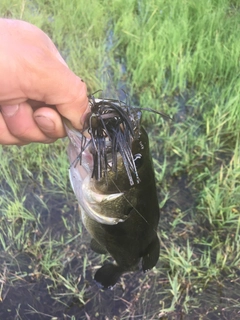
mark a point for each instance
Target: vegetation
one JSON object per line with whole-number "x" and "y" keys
{"x": 180, "y": 57}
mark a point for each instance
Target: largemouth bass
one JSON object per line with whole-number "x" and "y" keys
{"x": 112, "y": 176}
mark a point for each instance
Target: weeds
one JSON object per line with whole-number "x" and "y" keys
{"x": 179, "y": 57}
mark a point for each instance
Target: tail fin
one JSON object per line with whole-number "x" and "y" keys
{"x": 108, "y": 275}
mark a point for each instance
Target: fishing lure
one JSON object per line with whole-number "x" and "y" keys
{"x": 113, "y": 125}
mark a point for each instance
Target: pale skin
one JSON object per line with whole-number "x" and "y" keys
{"x": 36, "y": 87}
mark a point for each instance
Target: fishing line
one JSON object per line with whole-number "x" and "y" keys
{"x": 130, "y": 202}
{"x": 132, "y": 205}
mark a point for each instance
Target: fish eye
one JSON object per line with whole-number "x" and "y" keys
{"x": 138, "y": 159}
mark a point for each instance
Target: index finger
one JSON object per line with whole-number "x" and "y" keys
{"x": 60, "y": 87}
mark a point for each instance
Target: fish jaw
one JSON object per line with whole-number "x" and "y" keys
{"x": 96, "y": 205}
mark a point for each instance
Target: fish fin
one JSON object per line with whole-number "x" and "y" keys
{"x": 96, "y": 247}
{"x": 108, "y": 275}
{"x": 151, "y": 257}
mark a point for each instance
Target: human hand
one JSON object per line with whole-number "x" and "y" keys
{"x": 36, "y": 87}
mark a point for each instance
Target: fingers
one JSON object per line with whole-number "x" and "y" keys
{"x": 63, "y": 89}
{"x": 48, "y": 78}
{"x": 19, "y": 124}
{"x": 35, "y": 71}
{"x": 76, "y": 106}
{"x": 50, "y": 123}
{"x": 5, "y": 135}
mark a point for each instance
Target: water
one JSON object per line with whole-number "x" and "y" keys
{"x": 137, "y": 296}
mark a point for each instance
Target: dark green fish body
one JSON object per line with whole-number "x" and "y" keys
{"x": 120, "y": 214}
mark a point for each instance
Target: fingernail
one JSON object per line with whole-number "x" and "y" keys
{"x": 44, "y": 123}
{"x": 9, "y": 111}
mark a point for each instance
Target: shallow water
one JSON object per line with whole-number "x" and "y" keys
{"x": 137, "y": 296}
{"x": 27, "y": 291}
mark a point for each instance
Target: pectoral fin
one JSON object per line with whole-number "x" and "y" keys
{"x": 96, "y": 247}
{"x": 151, "y": 256}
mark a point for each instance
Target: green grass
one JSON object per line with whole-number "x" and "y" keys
{"x": 180, "y": 57}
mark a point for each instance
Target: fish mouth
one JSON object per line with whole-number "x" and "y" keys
{"x": 93, "y": 203}
{"x": 97, "y": 206}
{"x": 101, "y": 207}
{"x": 110, "y": 129}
